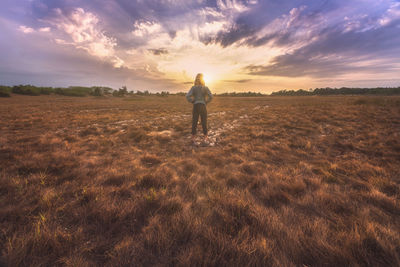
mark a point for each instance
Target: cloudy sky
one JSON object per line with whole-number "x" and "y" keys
{"x": 239, "y": 45}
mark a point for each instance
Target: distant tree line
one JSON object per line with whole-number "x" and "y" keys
{"x": 340, "y": 91}
{"x": 5, "y": 91}
{"x": 69, "y": 91}
{"x": 238, "y": 94}
{"x": 146, "y": 92}
{"x": 242, "y": 94}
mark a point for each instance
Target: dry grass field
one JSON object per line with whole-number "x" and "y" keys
{"x": 286, "y": 181}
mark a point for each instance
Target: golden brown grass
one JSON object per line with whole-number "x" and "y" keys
{"x": 306, "y": 181}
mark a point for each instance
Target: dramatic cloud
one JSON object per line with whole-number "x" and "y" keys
{"x": 392, "y": 15}
{"x": 83, "y": 32}
{"x": 356, "y": 45}
{"x": 237, "y": 44}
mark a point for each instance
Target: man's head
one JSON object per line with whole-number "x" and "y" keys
{"x": 199, "y": 80}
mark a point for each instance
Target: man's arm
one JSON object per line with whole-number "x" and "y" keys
{"x": 189, "y": 95}
{"x": 210, "y": 96}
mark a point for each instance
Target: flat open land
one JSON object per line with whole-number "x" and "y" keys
{"x": 285, "y": 181}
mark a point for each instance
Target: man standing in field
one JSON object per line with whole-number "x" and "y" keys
{"x": 199, "y": 95}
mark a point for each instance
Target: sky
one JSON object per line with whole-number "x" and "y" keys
{"x": 239, "y": 45}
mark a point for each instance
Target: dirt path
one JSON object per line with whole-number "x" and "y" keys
{"x": 219, "y": 124}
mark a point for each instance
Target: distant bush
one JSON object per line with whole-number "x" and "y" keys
{"x": 26, "y": 90}
{"x": 121, "y": 91}
{"x": 5, "y": 91}
{"x": 74, "y": 91}
{"x": 97, "y": 92}
{"x": 46, "y": 90}
{"x": 163, "y": 93}
{"x": 146, "y": 92}
{"x": 100, "y": 91}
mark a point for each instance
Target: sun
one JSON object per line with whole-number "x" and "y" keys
{"x": 208, "y": 79}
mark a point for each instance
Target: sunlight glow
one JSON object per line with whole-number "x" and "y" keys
{"x": 239, "y": 46}
{"x": 208, "y": 79}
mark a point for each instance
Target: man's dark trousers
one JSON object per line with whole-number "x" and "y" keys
{"x": 199, "y": 109}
